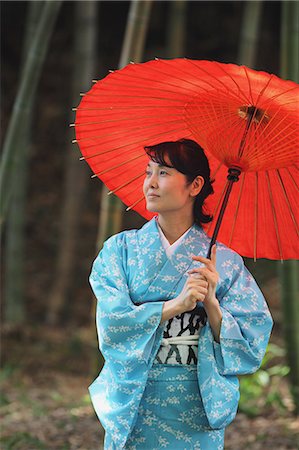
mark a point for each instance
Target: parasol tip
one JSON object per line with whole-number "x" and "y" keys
{"x": 82, "y": 94}
{"x": 71, "y": 125}
{"x": 94, "y": 81}
{"x": 74, "y": 141}
{"x": 110, "y": 192}
{"x": 132, "y": 62}
{"x": 81, "y": 158}
{"x": 111, "y": 71}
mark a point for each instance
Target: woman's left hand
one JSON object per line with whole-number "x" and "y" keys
{"x": 210, "y": 273}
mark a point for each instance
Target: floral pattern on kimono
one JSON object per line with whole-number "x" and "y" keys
{"x": 131, "y": 278}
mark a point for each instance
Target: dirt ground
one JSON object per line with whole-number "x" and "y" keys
{"x": 45, "y": 403}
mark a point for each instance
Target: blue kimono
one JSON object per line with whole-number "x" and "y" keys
{"x": 131, "y": 278}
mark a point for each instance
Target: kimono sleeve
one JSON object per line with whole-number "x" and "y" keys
{"x": 126, "y": 332}
{"x": 246, "y": 322}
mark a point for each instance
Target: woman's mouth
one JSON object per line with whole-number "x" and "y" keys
{"x": 152, "y": 196}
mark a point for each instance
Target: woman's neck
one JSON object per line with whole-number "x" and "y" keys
{"x": 174, "y": 227}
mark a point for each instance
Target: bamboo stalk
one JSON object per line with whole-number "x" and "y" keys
{"x": 289, "y": 68}
{"x": 176, "y": 27}
{"x": 75, "y": 179}
{"x": 26, "y": 90}
{"x": 14, "y": 293}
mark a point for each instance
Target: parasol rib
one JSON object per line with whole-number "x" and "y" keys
{"x": 269, "y": 153}
{"x": 287, "y": 91}
{"x": 134, "y": 142}
{"x": 274, "y": 136}
{"x": 150, "y": 87}
{"x": 109, "y": 108}
{"x": 216, "y": 171}
{"x": 274, "y": 215}
{"x": 261, "y": 93}
{"x": 126, "y": 183}
{"x": 210, "y": 84}
{"x": 237, "y": 208}
{"x": 235, "y": 82}
{"x": 214, "y": 78}
{"x": 116, "y": 166}
{"x": 232, "y": 132}
{"x": 135, "y": 96}
{"x": 117, "y": 120}
{"x": 249, "y": 85}
{"x": 116, "y": 133}
{"x": 255, "y": 217}
{"x": 135, "y": 203}
{"x": 243, "y": 140}
{"x": 292, "y": 178}
{"x": 261, "y": 122}
{"x": 287, "y": 201}
{"x": 165, "y": 82}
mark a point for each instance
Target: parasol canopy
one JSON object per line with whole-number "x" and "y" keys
{"x": 244, "y": 119}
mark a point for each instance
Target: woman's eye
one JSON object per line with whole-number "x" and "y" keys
{"x": 163, "y": 172}
{"x": 148, "y": 173}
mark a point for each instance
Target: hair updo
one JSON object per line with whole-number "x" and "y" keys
{"x": 187, "y": 157}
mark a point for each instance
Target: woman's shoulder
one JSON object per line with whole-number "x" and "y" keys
{"x": 228, "y": 253}
{"x": 223, "y": 251}
{"x": 128, "y": 237}
{"x": 123, "y": 238}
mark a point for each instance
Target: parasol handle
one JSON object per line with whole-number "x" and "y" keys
{"x": 233, "y": 177}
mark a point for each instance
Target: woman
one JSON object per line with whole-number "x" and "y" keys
{"x": 175, "y": 328}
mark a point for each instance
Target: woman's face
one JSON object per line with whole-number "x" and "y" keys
{"x": 166, "y": 189}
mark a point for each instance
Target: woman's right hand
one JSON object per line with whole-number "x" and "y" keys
{"x": 194, "y": 291}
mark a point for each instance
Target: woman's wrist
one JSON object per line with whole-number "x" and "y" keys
{"x": 211, "y": 304}
{"x": 214, "y": 314}
{"x": 171, "y": 308}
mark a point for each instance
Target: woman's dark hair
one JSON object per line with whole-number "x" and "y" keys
{"x": 187, "y": 157}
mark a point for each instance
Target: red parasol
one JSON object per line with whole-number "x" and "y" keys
{"x": 247, "y": 121}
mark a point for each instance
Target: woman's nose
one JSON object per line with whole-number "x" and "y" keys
{"x": 153, "y": 181}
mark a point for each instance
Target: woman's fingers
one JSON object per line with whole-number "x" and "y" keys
{"x": 210, "y": 263}
{"x": 198, "y": 280}
{"x": 196, "y": 275}
{"x": 198, "y": 295}
{"x": 198, "y": 288}
{"x": 213, "y": 255}
{"x": 203, "y": 273}
{"x": 208, "y": 274}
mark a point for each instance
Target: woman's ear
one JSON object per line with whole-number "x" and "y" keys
{"x": 197, "y": 185}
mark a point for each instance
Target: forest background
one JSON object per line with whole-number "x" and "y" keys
{"x": 54, "y": 223}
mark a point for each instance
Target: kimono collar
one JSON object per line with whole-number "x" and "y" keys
{"x": 170, "y": 248}
{"x": 193, "y": 237}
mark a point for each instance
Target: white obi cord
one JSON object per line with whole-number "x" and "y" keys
{"x": 181, "y": 340}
